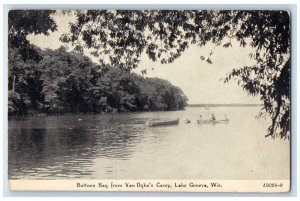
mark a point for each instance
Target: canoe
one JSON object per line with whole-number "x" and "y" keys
{"x": 164, "y": 123}
{"x": 209, "y": 121}
{"x": 224, "y": 120}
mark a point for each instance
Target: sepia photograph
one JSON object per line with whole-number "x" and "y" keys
{"x": 149, "y": 100}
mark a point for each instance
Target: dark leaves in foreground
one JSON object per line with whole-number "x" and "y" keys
{"x": 165, "y": 34}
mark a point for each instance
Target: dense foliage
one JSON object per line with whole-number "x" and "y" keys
{"x": 24, "y": 22}
{"x": 123, "y": 35}
{"x": 63, "y": 82}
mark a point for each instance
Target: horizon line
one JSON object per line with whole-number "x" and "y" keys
{"x": 216, "y": 104}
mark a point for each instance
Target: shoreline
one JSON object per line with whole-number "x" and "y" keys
{"x": 81, "y": 113}
{"x": 11, "y": 117}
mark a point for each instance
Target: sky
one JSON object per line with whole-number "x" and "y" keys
{"x": 199, "y": 80}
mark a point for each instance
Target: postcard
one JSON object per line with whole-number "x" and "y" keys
{"x": 149, "y": 100}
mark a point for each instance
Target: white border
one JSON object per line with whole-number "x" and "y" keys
{"x": 250, "y": 3}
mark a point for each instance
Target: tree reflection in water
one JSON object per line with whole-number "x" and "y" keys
{"x": 68, "y": 151}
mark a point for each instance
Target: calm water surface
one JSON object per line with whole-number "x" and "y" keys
{"x": 122, "y": 146}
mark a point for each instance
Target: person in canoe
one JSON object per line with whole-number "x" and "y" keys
{"x": 213, "y": 117}
{"x": 201, "y": 118}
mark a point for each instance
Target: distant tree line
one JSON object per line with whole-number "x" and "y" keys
{"x": 63, "y": 82}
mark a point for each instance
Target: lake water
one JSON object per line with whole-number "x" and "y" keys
{"x": 123, "y": 146}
